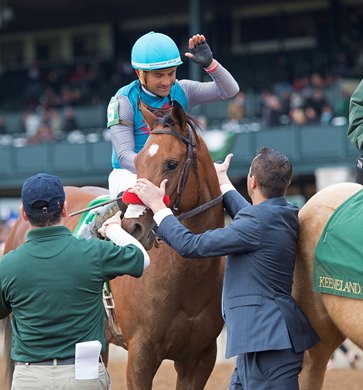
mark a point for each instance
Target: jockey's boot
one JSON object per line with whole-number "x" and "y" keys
{"x": 102, "y": 213}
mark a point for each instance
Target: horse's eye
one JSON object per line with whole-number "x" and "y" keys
{"x": 172, "y": 164}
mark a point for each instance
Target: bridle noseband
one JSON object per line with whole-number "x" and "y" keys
{"x": 191, "y": 160}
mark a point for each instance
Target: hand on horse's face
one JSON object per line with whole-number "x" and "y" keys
{"x": 151, "y": 195}
{"x": 221, "y": 170}
{"x": 115, "y": 219}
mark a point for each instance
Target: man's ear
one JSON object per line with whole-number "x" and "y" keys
{"x": 65, "y": 209}
{"x": 141, "y": 76}
{"x": 22, "y": 213}
{"x": 253, "y": 181}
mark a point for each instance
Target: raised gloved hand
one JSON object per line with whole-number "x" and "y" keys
{"x": 199, "y": 51}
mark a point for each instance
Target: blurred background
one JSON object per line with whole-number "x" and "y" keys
{"x": 297, "y": 63}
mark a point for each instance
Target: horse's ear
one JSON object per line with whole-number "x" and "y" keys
{"x": 179, "y": 117}
{"x": 148, "y": 116}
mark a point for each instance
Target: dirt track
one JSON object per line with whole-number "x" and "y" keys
{"x": 338, "y": 379}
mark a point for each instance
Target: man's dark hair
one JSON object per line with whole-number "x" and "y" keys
{"x": 46, "y": 218}
{"x": 273, "y": 172}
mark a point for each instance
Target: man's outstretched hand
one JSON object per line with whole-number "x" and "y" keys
{"x": 221, "y": 170}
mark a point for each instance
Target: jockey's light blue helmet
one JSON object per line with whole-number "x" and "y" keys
{"x": 155, "y": 51}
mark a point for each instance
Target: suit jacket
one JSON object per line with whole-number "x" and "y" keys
{"x": 260, "y": 244}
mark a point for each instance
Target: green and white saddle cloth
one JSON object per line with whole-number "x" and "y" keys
{"x": 88, "y": 216}
{"x": 338, "y": 263}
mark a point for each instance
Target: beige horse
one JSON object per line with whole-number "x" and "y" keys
{"x": 333, "y": 317}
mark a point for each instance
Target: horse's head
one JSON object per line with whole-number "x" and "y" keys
{"x": 173, "y": 151}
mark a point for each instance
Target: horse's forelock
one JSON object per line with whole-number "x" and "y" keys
{"x": 167, "y": 121}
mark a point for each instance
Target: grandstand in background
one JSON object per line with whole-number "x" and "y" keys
{"x": 261, "y": 42}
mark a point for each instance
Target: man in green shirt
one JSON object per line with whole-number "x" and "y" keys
{"x": 355, "y": 129}
{"x": 52, "y": 285}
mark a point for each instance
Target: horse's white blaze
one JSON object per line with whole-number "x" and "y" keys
{"x": 153, "y": 150}
{"x": 134, "y": 211}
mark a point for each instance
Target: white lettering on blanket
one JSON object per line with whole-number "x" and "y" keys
{"x": 340, "y": 285}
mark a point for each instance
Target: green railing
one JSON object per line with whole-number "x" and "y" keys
{"x": 88, "y": 163}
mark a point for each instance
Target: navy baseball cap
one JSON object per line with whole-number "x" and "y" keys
{"x": 42, "y": 187}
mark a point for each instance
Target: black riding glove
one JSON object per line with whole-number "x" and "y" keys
{"x": 202, "y": 54}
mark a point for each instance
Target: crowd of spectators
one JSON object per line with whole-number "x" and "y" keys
{"x": 51, "y": 94}
{"x": 307, "y": 100}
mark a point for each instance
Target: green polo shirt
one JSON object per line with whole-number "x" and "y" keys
{"x": 53, "y": 284}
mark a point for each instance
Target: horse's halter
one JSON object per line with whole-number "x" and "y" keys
{"x": 191, "y": 160}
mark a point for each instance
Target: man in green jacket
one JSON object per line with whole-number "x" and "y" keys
{"x": 52, "y": 285}
{"x": 355, "y": 129}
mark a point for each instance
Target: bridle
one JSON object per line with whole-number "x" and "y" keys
{"x": 190, "y": 161}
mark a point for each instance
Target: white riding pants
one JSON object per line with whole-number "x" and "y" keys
{"x": 120, "y": 180}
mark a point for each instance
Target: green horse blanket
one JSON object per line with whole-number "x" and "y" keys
{"x": 338, "y": 263}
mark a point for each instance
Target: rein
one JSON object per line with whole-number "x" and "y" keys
{"x": 191, "y": 160}
{"x": 201, "y": 208}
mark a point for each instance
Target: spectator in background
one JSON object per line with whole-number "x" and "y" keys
{"x": 326, "y": 114}
{"x": 70, "y": 122}
{"x": 316, "y": 101}
{"x": 311, "y": 116}
{"x": 237, "y": 107}
{"x": 43, "y": 134}
{"x": 297, "y": 116}
{"x": 30, "y": 122}
{"x": 271, "y": 110}
{"x": 55, "y": 122}
{"x": 297, "y": 112}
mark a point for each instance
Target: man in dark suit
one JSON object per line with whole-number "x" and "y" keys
{"x": 266, "y": 329}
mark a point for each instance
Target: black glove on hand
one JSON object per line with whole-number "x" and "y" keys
{"x": 202, "y": 54}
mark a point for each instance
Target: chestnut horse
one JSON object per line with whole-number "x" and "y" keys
{"x": 174, "y": 310}
{"x": 333, "y": 317}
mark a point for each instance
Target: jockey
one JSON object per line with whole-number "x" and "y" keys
{"x": 155, "y": 58}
